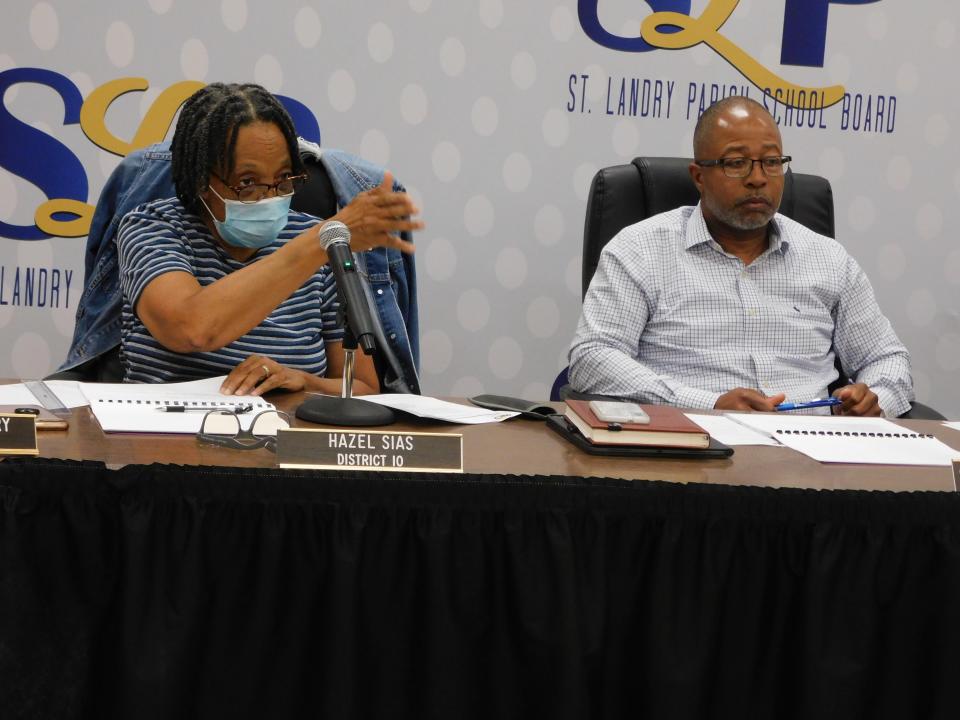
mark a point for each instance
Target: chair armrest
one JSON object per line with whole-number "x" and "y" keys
{"x": 919, "y": 411}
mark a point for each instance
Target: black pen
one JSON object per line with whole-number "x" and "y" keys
{"x": 237, "y": 410}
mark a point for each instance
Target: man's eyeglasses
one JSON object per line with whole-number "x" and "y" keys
{"x": 255, "y": 192}
{"x": 223, "y": 427}
{"x": 741, "y": 167}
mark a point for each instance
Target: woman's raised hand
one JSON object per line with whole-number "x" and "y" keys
{"x": 376, "y": 217}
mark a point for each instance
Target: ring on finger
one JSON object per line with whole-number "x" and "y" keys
{"x": 266, "y": 371}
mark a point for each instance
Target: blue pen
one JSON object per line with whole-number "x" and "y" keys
{"x": 824, "y": 402}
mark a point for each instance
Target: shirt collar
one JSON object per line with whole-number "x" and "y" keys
{"x": 698, "y": 234}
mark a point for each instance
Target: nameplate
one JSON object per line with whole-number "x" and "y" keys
{"x": 379, "y": 450}
{"x": 18, "y": 434}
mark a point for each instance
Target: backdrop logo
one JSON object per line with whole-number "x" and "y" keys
{"x": 671, "y": 27}
{"x": 47, "y": 163}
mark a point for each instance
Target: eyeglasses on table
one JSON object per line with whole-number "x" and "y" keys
{"x": 225, "y": 428}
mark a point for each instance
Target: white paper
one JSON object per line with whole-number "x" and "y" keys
{"x": 954, "y": 425}
{"x": 728, "y": 432}
{"x": 67, "y": 391}
{"x": 850, "y": 439}
{"x": 132, "y": 407}
{"x": 431, "y": 408}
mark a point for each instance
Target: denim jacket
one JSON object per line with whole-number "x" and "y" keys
{"x": 145, "y": 175}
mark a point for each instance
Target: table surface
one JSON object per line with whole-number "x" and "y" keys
{"x": 522, "y": 447}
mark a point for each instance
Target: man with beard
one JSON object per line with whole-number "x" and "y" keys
{"x": 731, "y": 305}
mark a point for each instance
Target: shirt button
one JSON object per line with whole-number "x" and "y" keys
{"x": 393, "y": 336}
{"x": 379, "y": 292}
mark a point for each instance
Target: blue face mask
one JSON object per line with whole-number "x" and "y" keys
{"x": 251, "y": 225}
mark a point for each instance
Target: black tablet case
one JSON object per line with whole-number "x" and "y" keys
{"x": 565, "y": 429}
{"x": 526, "y": 408}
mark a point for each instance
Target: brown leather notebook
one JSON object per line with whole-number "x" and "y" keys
{"x": 668, "y": 427}
{"x": 567, "y": 430}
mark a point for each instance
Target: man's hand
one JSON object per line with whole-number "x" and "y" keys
{"x": 857, "y": 399}
{"x": 747, "y": 399}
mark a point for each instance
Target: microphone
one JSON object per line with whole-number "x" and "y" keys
{"x": 335, "y": 239}
{"x": 359, "y": 329}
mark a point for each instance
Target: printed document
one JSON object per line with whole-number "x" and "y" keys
{"x": 850, "y": 439}
{"x": 131, "y": 407}
{"x": 431, "y": 408}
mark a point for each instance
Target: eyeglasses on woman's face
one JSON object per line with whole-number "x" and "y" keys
{"x": 251, "y": 192}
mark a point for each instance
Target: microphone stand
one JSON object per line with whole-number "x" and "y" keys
{"x": 345, "y": 410}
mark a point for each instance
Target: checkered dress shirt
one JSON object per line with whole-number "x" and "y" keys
{"x": 671, "y": 318}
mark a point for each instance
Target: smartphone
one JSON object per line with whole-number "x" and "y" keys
{"x": 612, "y": 411}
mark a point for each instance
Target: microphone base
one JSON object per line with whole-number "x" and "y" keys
{"x": 347, "y": 412}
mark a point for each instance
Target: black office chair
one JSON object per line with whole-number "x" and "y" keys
{"x": 622, "y": 195}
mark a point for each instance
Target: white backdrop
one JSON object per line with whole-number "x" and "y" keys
{"x": 473, "y": 108}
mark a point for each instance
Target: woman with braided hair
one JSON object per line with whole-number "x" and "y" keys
{"x": 225, "y": 278}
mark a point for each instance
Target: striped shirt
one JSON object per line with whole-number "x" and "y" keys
{"x": 671, "y": 318}
{"x": 162, "y": 237}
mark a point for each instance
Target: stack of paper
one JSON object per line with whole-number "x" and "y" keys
{"x": 433, "y": 409}
{"x": 725, "y": 430}
{"x": 67, "y": 392}
{"x": 125, "y": 407}
{"x": 850, "y": 439}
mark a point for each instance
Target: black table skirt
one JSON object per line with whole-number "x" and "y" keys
{"x": 182, "y": 592}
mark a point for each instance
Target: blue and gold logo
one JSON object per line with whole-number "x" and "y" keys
{"x": 50, "y": 165}
{"x": 671, "y": 27}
